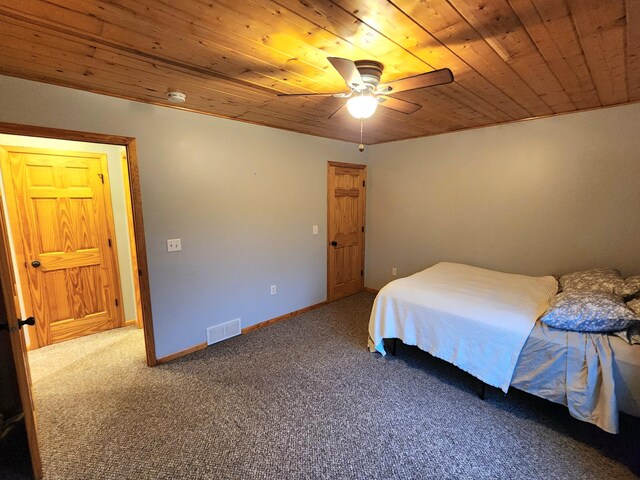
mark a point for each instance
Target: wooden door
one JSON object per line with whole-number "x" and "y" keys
{"x": 346, "y": 207}
{"x": 64, "y": 222}
{"x": 16, "y": 365}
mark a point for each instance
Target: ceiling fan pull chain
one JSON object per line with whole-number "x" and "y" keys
{"x": 361, "y": 146}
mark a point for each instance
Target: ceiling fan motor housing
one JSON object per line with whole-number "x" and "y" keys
{"x": 370, "y": 71}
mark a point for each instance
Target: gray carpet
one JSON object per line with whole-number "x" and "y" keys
{"x": 302, "y": 399}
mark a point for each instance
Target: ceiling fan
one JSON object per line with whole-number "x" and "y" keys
{"x": 366, "y": 92}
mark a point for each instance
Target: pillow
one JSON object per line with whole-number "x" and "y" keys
{"x": 606, "y": 280}
{"x": 632, "y": 285}
{"x": 589, "y": 312}
{"x": 634, "y": 305}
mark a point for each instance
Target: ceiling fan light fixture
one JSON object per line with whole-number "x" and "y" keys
{"x": 362, "y": 106}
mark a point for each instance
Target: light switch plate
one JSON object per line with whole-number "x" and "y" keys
{"x": 174, "y": 245}
{"x": 315, "y": 229}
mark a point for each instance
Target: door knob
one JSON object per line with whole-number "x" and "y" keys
{"x": 35, "y": 264}
{"x": 29, "y": 321}
{"x": 334, "y": 243}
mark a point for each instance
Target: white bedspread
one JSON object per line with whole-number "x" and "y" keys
{"x": 476, "y": 319}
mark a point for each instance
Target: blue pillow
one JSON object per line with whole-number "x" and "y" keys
{"x": 589, "y": 312}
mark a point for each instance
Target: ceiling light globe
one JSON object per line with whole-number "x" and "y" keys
{"x": 362, "y": 106}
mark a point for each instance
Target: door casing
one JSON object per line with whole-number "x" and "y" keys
{"x": 20, "y": 364}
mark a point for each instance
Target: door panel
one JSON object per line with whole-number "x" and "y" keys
{"x": 17, "y": 366}
{"x": 346, "y": 207}
{"x": 66, "y": 225}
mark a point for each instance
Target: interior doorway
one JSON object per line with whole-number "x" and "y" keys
{"x": 346, "y": 198}
{"x": 13, "y": 312}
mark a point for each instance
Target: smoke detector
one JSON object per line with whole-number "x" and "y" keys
{"x": 176, "y": 97}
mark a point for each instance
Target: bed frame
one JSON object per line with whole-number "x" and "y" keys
{"x": 393, "y": 349}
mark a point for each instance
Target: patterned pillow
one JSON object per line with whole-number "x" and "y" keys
{"x": 632, "y": 285}
{"x": 606, "y": 280}
{"x": 634, "y": 305}
{"x": 589, "y": 312}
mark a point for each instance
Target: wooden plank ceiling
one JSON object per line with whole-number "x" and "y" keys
{"x": 512, "y": 59}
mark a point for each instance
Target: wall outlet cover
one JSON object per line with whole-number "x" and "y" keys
{"x": 174, "y": 245}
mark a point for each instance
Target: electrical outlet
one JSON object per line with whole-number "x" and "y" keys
{"x": 274, "y": 289}
{"x": 315, "y": 229}
{"x": 174, "y": 245}
{"x": 394, "y": 271}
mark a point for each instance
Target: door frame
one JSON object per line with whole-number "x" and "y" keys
{"x": 8, "y": 308}
{"x": 364, "y": 220}
{"x": 136, "y": 205}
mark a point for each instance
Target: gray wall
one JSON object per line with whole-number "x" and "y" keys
{"x": 242, "y": 198}
{"x": 544, "y": 196}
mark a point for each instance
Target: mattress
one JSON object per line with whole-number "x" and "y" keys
{"x": 475, "y": 318}
{"x": 541, "y": 368}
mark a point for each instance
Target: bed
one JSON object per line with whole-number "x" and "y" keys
{"x": 487, "y": 323}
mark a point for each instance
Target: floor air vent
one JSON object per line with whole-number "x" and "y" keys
{"x": 217, "y": 333}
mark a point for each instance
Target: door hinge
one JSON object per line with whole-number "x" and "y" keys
{"x": 109, "y": 242}
{"x": 101, "y": 177}
{"x": 363, "y": 183}
{"x": 362, "y": 229}
{"x": 117, "y": 302}
{"x": 362, "y": 273}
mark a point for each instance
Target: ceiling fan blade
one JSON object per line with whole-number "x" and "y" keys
{"x": 398, "y": 105}
{"x": 430, "y": 79}
{"x": 347, "y": 70}
{"x": 337, "y": 95}
{"x": 339, "y": 111}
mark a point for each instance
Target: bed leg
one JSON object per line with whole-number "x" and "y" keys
{"x": 483, "y": 390}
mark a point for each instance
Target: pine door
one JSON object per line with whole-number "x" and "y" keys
{"x": 346, "y": 209}
{"x": 66, "y": 228}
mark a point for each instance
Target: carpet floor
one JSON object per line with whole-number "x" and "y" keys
{"x": 301, "y": 399}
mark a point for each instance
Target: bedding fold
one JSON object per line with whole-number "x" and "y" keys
{"x": 591, "y": 393}
{"x": 573, "y": 369}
